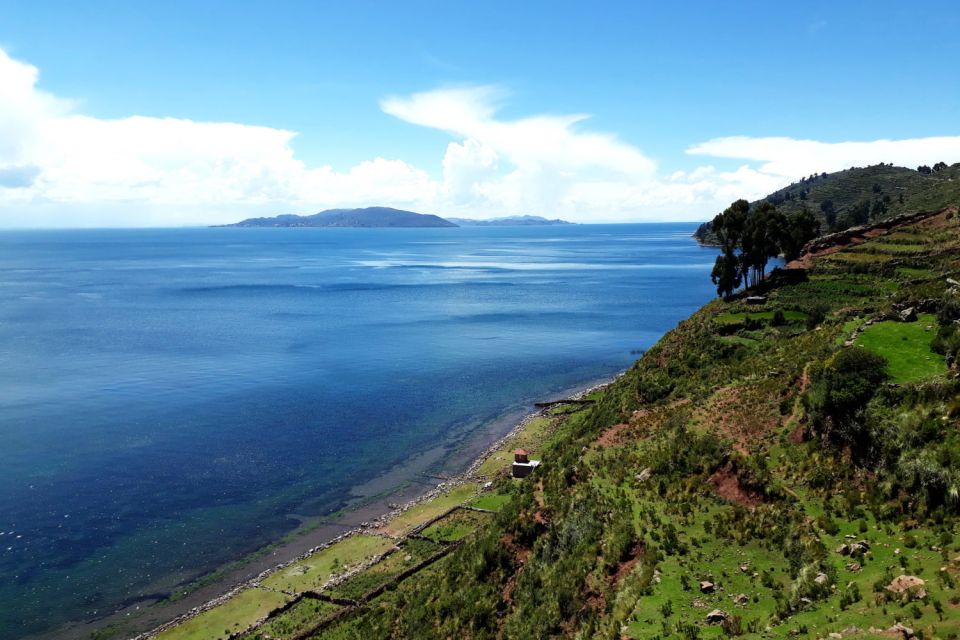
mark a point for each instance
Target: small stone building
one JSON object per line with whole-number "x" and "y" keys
{"x": 523, "y": 466}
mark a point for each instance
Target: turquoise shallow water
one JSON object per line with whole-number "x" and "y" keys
{"x": 168, "y": 398}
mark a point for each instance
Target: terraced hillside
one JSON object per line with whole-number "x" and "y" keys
{"x": 789, "y": 469}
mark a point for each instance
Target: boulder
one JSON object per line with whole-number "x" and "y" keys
{"x": 716, "y": 617}
{"x": 908, "y": 315}
{"x": 859, "y": 548}
{"x": 899, "y": 628}
{"x": 821, "y": 579}
{"x": 908, "y": 584}
{"x": 853, "y": 566}
{"x": 707, "y": 587}
{"x": 843, "y": 549}
{"x": 741, "y": 599}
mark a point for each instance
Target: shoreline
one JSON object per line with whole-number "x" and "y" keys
{"x": 368, "y": 513}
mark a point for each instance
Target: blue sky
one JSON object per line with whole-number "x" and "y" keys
{"x": 656, "y": 80}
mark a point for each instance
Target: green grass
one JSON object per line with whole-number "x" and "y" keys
{"x": 412, "y": 552}
{"x": 739, "y": 340}
{"x": 892, "y": 248}
{"x": 906, "y": 346}
{"x": 233, "y": 616}
{"x": 296, "y": 620}
{"x": 455, "y": 526}
{"x": 853, "y": 257}
{"x": 730, "y": 317}
{"x": 912, "y": 273}
{"x": 419, "y": 513}
{"x": 311, "y": 573}
{"x": 491, "y": 501}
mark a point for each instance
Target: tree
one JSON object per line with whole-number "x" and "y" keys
{"x": 760, "y": 241}
{"x": 726, "y": 273}
{"x": 859, "y": 213}
{"x": 748, "y": 239}
{"x": 829, "y": 213}
{"x": 878, "y": 210}
{"x": 729, "y": 225}
{"x": 800, "y": 228}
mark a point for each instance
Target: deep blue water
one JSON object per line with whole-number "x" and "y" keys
{"x": 169, "y": 397}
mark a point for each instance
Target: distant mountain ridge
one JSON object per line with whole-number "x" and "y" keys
{"x": 368, "y": 217}
{"x": 509, "y": 221}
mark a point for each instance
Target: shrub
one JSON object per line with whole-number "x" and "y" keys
{"x": 838, "y": 395}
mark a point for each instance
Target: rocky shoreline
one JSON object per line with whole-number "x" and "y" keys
{"x": 368, "y": 526}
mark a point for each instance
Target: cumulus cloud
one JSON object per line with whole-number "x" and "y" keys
{"x": 60, "y": 167}
{"x": 534, "y": 164}
{"x": 56, "y": 165}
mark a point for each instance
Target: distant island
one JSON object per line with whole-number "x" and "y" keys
{"x": 369, "y": 217}
{"x": 508, "y": 221}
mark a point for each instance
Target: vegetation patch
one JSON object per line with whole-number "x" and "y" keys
{"x": 311, "y": 573}
{"x": 455, "y": 526}
{"x": 407, "y": 556}
{"x": 423, "y": 511}
{"x": 491, "y": 501}
{"x": 744, "y": 317}
{"x": 914, "y": 273}
{"x": 906, "y": 348}
{"x": 293, "y": 622}
{"x": 235, "y": 615}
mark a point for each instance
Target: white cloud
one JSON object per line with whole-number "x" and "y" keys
{"x": 62, "y": 168}
{"x": 59, "y": 167}
{"x": 789, "y": 158}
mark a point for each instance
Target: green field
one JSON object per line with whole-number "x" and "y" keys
{"x": 906, "y": 346}
{"x": 455, "y": 526}
{"x": 235, "y": 615}
{"x": 291, "y": 623}
{"x": 731, "y": 318}
{"x": 412, "y": 552}
{"x": 423, "y": 511}
{"x": 313, "y": 572}
{"x": 491, "y": 501}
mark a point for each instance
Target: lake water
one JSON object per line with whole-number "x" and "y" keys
{"x": 173, "y": 399}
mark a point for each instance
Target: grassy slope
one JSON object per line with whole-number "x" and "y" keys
{"x": 695, "y": 466}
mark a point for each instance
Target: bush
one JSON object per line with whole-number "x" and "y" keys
{"x": 815, "y": 315}
{"x": 838, "y": 395}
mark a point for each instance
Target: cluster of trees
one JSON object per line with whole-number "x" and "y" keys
{"x": 940, "y": 166}
{"x": 749, "y": 239}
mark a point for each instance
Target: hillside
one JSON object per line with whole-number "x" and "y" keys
{"x": 368, "y": 217}
{"x": 509, "y": 221}
{"x": 789, "y": 469}
{"x": 863, "y": 194}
